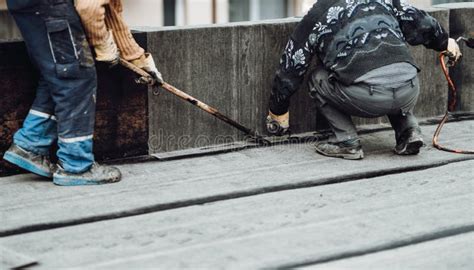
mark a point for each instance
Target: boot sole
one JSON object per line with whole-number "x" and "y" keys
{"x": 26, "y": 164}
{"x": 356, "y": 156}
{"x": 412, "y": 148}
{"x": 68, "y": 181}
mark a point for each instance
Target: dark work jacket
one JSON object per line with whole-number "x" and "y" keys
{"x": 351, "y": 38}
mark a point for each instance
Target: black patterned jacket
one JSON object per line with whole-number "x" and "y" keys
{"x": 351, "y": 38}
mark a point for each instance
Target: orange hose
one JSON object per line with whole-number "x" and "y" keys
{"x": 451, "y": 107}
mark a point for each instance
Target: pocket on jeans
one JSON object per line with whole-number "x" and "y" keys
{"x": 61, "y": 41}
{"x": 63, "y": 49}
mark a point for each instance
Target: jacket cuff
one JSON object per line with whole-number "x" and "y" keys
{"x": 279, "y": 108}
{"x": 443, "y": 45}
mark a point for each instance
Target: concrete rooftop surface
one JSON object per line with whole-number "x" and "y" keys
{"x": 282, "y": 206}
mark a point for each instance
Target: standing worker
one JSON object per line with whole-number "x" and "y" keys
{"x": 64, "y": 107}
{"x": 366, "y": 69}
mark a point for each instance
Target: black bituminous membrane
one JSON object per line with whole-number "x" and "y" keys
{"x": 221, "y": 197}
{"x": 431, "y": 236}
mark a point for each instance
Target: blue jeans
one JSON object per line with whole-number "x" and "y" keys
{"x": 64, "y": 107}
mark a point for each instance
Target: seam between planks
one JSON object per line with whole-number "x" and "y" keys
{"x": 427, "y": 237}
{"x": 223, "y": 197}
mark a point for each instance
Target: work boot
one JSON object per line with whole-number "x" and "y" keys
{"x": 96, "y": 175}
{"x": 35, "y": 163}
{"x": 108, "y": 51}
{"x": 350, "y": 149}
{"x": 409, "y": 143}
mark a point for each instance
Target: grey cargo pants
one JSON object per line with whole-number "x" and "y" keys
{"x": 338, "y": 103}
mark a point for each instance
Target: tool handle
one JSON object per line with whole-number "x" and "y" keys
{"x": 469, "y": 41}
{"x": 147, "y": 79}
{"x": 203, "y": 106}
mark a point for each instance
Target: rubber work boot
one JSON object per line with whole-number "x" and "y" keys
{"x": 409, "y": 143}
{"x": 35, "y": 163}
{"x": 350, "y": 149}
{"x": 96, "y": 175}
{"x": 108, "y": 51}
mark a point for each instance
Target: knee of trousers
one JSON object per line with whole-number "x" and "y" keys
{"x": 319, "y": 86}
{"x": 75, "y": 110}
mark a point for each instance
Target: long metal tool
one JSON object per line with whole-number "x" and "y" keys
{"x": 146, "y": 78}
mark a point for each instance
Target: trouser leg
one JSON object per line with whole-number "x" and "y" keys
{"x": 76, "y": 119}
{"x": 339, "y": 121}
{"x": 129, "y": 49}
{"x": 402, "y": 118}
{"x": 39, "y": 129}
{"x": 58, "y": 47}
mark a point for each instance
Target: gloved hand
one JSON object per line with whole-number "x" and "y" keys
{"x": 278, "y": 125}
{"x": 453, "y": 51}
{"x": 147, "y": 63}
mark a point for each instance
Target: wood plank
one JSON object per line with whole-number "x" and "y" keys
{"x": 29, "y": 203}
{"x": 271, "y": 230}
{"x": 456, "y": 252}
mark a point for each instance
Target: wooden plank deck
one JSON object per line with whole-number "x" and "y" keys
{"x": 282, "y": 206}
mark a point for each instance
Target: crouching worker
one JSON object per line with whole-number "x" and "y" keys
{"x": 64, "y": 107}
{"x": 366, "y": 71}
{"x": 110, "y": 37}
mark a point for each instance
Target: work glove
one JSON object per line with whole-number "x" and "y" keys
{"x": 147, "y": 63}
{"x": 108, "y": 51}
{"x": 453, "y": 51}
{"x": 278, "y": 125}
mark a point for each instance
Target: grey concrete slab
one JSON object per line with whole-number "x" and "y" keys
{"x": 270, "y": 230}
{"x": 456, "y": 252}
{"x": 29, "y": 203}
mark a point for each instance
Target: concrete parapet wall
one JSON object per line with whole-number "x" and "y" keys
{"x": 231, "y": 67}
{"x": 461, "y": 23}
